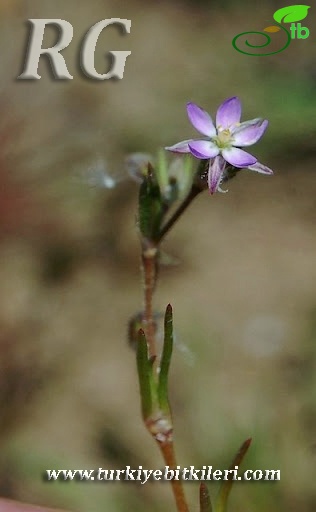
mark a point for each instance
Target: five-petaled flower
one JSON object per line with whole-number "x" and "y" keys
{"x": 223, "y": 141}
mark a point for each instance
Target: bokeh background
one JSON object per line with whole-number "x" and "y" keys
{"x": 243, "y": 293}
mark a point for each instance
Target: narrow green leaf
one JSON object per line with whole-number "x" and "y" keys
{"x": 150, "y": 207}
{"x": 165, "y": 361}
{"x": 205, "y": 500}
{"x": 291, "y": 13}
{"x": 225, "y": 488}
{"x": 144, "y": 368}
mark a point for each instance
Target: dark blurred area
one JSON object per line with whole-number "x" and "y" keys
{"x": 244, "y": 294}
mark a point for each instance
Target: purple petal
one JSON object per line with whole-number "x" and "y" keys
{"x": 203, "y": 149}
{"x": 258, "y": 167}
{"x": 215, "y": 172}
{"x": 228, "y": 113}
{"x": 238, "y": 126}
{"x": 238, "y": 157}
{"x": 180, "y": 147}
{"x": 249, "y": 133}
{"x": 201, "y": 120}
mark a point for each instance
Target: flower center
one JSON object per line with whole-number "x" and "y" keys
{"x": 223, "y": 138}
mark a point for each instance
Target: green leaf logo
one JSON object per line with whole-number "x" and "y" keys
{"x": 291, "y": 13}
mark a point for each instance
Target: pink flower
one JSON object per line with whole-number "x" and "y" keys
{"x": 223, "y": 141}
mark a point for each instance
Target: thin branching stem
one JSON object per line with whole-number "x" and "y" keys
{"x": 195, "y": 190}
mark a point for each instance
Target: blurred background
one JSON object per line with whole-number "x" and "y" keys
{"x": 244, "y": 293}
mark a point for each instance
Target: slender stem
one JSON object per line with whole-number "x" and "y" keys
{"x": 161, "y": 427}
{"x": 195, "y": 190}
{"x": 167, "y": 450}
{"x": 149, "y": 264}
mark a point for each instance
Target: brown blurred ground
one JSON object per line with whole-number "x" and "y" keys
{"x": 244, "y": 294}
